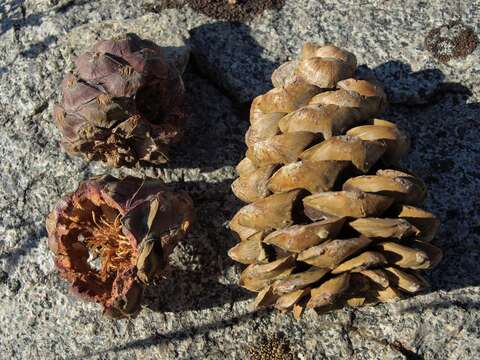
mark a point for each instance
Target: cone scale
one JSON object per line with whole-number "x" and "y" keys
{"x": 331, "y": 220}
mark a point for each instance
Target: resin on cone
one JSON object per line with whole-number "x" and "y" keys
{"x": 111, "y": 238}
{"x": 332, "y": 219}
{"x": 122, "y": 104}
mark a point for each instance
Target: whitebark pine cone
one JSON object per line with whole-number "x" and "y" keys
{"x": 122, "y": 104}
{"x": 332, "y": 220}
{"x": 129, "y": 227}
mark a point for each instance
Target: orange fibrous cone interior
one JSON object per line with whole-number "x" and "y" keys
{"x": 108, "y": 243}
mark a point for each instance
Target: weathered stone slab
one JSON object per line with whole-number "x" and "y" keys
{"x": 199, "y": 312}
{"x": 162, "y": 29}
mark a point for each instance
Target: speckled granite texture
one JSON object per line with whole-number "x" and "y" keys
{"x": 199, "y": 312}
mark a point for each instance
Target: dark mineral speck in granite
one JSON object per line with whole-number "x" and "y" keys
{"x": 3, "y": 277}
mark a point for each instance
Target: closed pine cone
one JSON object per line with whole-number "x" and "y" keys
{"x": 332, "y": 221}
{"x": 122, "y": 104}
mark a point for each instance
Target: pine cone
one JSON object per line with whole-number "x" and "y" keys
{"x": 332, "y": 220}
{"x": 122, "y": 104}
{"x": 131, "y": 226}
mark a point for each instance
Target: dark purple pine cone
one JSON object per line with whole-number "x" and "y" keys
{"x": 122, "y": 104}
{"x": 112, "y": 238}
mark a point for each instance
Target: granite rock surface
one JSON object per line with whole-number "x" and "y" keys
{"x": 386, "y": 36}
{"x": 199, "y": 312}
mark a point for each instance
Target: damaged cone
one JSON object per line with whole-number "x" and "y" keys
{"x": 122, "y": 104}
{"x": 332, "y": 220}
{"x": 111, "y": 238}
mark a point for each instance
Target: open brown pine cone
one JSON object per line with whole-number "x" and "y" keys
{"x": 122, "y": 104}
{"x": 332, "y": 220}
{"x": 112, "y": 238}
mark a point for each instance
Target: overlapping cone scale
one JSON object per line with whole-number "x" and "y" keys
{"x": 122, "y": 104}
{"x": 111, "y": 238}
{"x": 331, "y": 219}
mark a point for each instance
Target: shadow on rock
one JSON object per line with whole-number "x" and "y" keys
{"x": 17, "y": 17}
{"x": 184, "y": 290}
{"x": 159, "y": 339}
{"x": 200, "y": 282}
{"x": 227, "y": 54}
{"x": 443, "y": 125}
{"x": 214, "y": 136}
{"x": 442, "y": 122}
{"x": 464, "y": 303}
{"x": 226, "y": 72}
{"x": 37, "y": 48}
{"x": 407, "y": 87}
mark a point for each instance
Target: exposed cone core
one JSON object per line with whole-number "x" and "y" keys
{"x": 332, "y": 220}
{"x": 122, "y": 104}
{"x": 108, "y": 243}
{"x": 112, "y": 238}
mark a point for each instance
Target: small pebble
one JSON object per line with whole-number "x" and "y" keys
{"x": 3, "y": 277}
{"x": 14, "y": 285}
